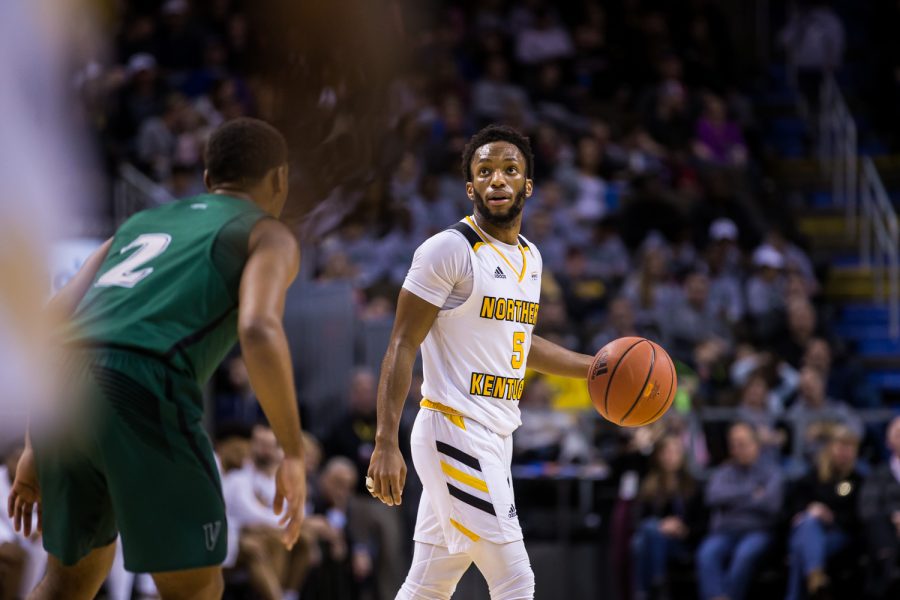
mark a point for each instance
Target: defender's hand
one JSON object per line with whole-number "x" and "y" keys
{"x": 25, "y": 495}
{"x": 388, "y": 472}
{"x": 290, "y": 486}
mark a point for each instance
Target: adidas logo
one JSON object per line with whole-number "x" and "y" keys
{"x": 512, "y": 512}
{"x": 498, "y": 274}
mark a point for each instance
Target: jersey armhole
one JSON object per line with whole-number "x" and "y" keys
{"x": 470, "y": 251}
{"x": 231, "y": 246}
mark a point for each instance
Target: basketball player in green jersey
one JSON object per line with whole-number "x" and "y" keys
{"x": 153, "y": 312}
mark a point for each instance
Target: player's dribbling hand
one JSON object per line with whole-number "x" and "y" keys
{"x": 387, "y": 469}
{"x": 25, "y": 495}
{"x": 290, "y": 487}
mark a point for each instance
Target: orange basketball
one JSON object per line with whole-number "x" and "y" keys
{"x": 632, "y": 381}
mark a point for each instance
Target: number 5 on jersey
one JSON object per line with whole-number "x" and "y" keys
{"x": 518, "y": 355}
{"x": 128, "y": 273}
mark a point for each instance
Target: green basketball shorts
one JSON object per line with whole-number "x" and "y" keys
{"x": 133, "y": 460}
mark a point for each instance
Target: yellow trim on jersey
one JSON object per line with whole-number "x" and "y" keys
{"x": 477, "y": 246}
{"x": 521, "y": 274}
{"x": 465, "y": 531}
{"x": 463, "y": 477}
{"x": 426, "y": 403}
{"x": 453, "y": 415}
{"x": 456, "y": 420}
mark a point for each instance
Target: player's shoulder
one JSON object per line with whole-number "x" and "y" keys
{"x": 449, "y": 241}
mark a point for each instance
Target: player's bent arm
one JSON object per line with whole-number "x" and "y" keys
{"x": 552, "y": 359}
{"x": 272, "y": 265}
{"x": 63, "y": 304}
{"x": 412, "y": 323}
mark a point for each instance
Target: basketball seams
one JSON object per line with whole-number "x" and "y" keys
{"x": 613, "y": 373}
{"x": 643, "y": 386}
{"x": 670, "y": 396}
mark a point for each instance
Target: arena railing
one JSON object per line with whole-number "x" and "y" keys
{"x": 133, "y": 191}
{"x": 880, "y": 241}
{"x": 870, "y": 216}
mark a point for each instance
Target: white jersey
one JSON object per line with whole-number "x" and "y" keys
{"x": 474, "y": 357}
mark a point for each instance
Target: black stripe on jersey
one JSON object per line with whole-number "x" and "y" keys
{"x": 136, "y": 406}
{"x": 472, "y": 500}
{"x": 198, "y": 335}
{"x": 523, "y": 243}
{"x": 471, "y": 237}
{"x": 466, "y": 459}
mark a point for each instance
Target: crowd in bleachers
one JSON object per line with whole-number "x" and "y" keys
{"x": 652, "y": 218}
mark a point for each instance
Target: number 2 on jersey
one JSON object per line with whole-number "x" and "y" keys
{"x": 518, "y": 355}
{"x": 128, "y": 273}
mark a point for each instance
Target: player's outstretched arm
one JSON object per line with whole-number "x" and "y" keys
{"x": 552, "y": 359}
{"x": 271, "y": 267}
{"x": 387, "y": 468}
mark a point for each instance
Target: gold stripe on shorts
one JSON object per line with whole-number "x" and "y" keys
{"x": 465, "y": 531}
{"x": 463, "y": 477}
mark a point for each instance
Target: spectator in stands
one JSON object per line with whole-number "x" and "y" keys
{"x": 691, "y": 319}
{"x": 348, "y": 561}
{"x": 494, "y": 93}
{"x": 236, "y": 401}
{"x": 249, "y": 494}
{"x": 723, "y": 258}
{"x": 586, "y": 184}
{"x": 782, "y": 378}
{"x": 754, "y": 409}
{"x": 22, "y": 559}
{"x": 541, "y": 232}
{"x": 745, "y": 498}
{"x": 585, "y": 295}
{"x": 718, "y": 139}
{"x": 547, "y": 434}
{"x": 607, "y": 255}
{"x": 844, "y": 380}
{"x": 765, "y": 291}
{"x": 795, "y": 259}
{"x": 649, "y": 288}
{"x": 801, "y": 329}
{"x": 814, "y": 415}
{"x": 823, "y": 505}
{"x": 814, "y": 41}
{"x": 879, "y": 510}
{"x": 353, "y": 437}
{"x": 620, "y": 322}
{"x": 156, "y": 139}
{"x": 545, "y": 40}
{"x": 669, "y": 511}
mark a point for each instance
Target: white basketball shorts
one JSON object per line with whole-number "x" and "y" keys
{"x": 465, "y": 473}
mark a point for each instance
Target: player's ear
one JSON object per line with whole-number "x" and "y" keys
{"x": 206, "y": 181}
{"x": 281, "y": 179}
{"x": 470, "y": 190}
{"x": 529, "y": 187}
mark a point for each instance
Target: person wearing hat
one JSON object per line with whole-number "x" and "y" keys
{"x": 765, "y": 290}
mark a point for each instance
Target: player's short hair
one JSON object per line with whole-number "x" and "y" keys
{"x": 243, "y": 150}
{"x": 497, "y": 133}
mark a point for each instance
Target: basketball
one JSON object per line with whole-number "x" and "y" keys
{"x": 632, "y": 381}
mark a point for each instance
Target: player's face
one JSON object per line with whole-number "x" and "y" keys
{"x": 499, "y": 184}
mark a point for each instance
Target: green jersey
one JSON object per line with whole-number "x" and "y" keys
{"x": 169, "y": 285}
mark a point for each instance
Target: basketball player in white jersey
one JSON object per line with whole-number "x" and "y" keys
{"x": 471, "y": 301}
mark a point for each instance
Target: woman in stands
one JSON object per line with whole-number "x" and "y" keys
{"x": 669, "y": 509}
{"x": 824, "y": 514}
